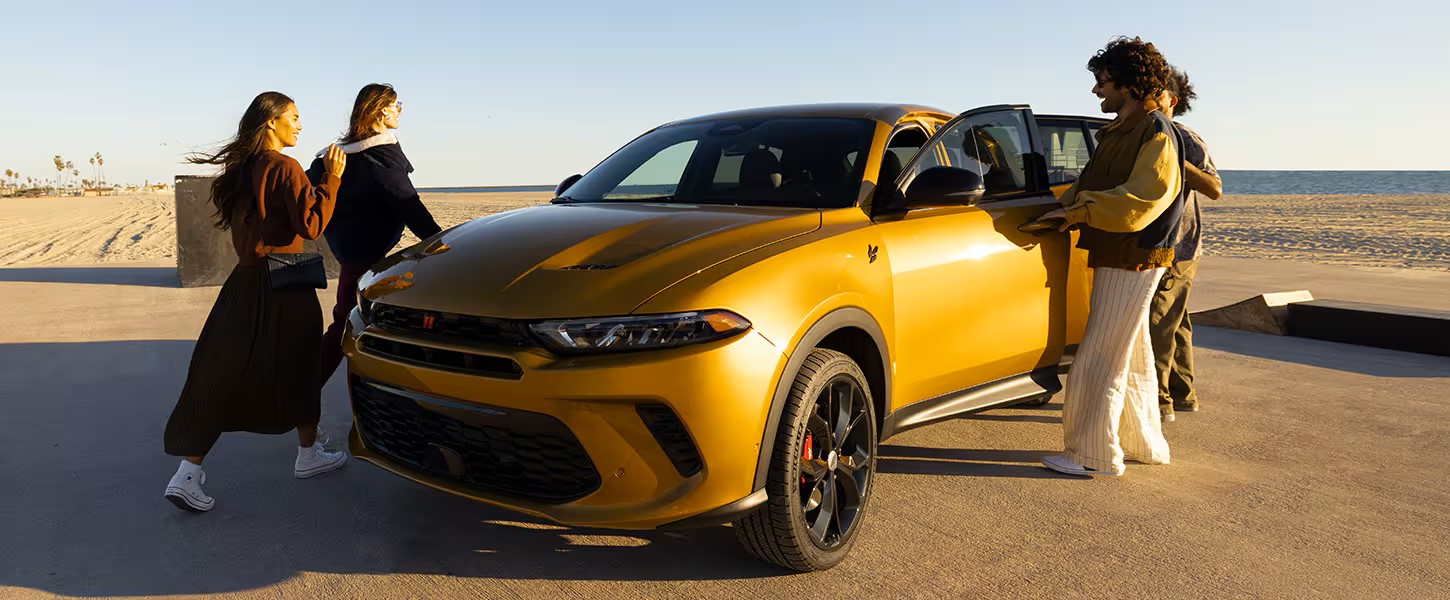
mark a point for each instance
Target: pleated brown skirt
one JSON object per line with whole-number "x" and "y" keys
{"x": 255, "y": 367}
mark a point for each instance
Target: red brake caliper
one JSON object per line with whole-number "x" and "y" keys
{"x": 806, "y": 453}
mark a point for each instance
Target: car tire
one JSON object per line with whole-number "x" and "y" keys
{"x": 817, "y": 505}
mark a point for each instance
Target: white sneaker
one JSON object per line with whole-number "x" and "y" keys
{"x": 184, "y": 489}
{"x": 316, "y": 461}
{"x": 1062, "y": 464}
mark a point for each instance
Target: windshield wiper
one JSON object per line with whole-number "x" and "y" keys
{"x": 563, "y": 200}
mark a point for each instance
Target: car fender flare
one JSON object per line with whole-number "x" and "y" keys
{"x": 826, "y": 325}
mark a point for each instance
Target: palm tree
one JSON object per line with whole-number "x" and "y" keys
{"x": 101, "y": 163}
{"x": 93, "y": 166}
{"x": 59, "y": 168}
{"x": 9, "y": 173}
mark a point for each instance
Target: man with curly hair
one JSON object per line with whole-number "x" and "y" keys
{"x": 1127, "y": 203}
{"x": 1172, "y": 331}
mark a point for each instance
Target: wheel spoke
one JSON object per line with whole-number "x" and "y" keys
{"x": 827, "y": 512}
{"x": 814, "y": 469}
{"x": 848, "y": 501}
{"x": 848, "y": 490}
{"x": 841, "y": 397}
{"x": 849, "y": 464}
{"x": 850, "y": 429}
{"x": 819, "y": 429}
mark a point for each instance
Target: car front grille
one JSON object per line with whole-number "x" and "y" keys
{"x": 514, "y": 453}
{"x": 463, "y": 327}
{"x": 440, "y": 358}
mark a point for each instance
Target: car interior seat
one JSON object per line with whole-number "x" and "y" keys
{"x": 760, "y": 170}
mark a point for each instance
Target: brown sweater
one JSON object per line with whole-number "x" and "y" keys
{"x": 289, "y": 209}
{"x": 1131, "y": 180}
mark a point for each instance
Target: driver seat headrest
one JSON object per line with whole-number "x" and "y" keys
{"x": 760, "y": 169}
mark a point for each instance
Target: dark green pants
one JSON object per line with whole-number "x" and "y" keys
{"x": 1172, "y": 335}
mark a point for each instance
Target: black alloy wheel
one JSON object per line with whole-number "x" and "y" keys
{"x": 836, "y": 461}
{"x": 820, "y": 474}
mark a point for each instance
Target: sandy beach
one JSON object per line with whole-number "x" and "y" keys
{"x": 1403, "y": 231}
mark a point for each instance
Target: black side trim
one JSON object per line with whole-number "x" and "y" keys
{"x": 720, "y": 516}
{"x": 838, "y": 319}
{"x": 973, "y": 399}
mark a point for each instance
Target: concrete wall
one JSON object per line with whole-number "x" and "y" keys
{"x": 204, "y": 254}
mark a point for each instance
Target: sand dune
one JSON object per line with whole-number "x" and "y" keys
{"x": 1407, "y": 231}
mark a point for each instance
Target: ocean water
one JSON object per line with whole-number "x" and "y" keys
{"x": 1234, "y": 182}
{"x": 1336, "y": 182}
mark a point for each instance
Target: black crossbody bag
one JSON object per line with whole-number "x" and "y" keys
{"x": 301, "y": 271}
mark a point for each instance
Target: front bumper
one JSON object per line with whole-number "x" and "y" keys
{"x": 511, "y": 441}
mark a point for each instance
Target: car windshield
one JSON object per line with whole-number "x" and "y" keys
{"x": 805, "y": 162}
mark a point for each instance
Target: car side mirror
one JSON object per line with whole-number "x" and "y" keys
{"x": 945, "y": 186}
{"x": 566, "y": 184}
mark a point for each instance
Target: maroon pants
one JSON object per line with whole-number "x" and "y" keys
{"x": 346, "y": 301}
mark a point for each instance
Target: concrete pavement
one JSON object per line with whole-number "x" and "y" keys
{"x": 1316, "y": 469}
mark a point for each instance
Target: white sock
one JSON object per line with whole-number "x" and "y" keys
{"x": 189, "y": 468}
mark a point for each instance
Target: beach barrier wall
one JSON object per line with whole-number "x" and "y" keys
{"x": 1298, "y": 314}
{"x": 204, "y": 254}
{"x": 1376, "y": 325}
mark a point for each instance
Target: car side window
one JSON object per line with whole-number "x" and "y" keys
{"x": 1065, "y": 147}
{"x": 994, "y": 145}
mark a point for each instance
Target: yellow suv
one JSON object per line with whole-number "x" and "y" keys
{"x": 721, "y": 321}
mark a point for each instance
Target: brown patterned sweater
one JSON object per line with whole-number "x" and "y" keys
{"x": 289, "y": 209}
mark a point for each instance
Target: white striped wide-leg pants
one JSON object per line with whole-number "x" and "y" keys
{"x": 1111, "y": 407}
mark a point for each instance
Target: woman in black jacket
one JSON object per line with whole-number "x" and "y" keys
{"x": 375, "y": 202}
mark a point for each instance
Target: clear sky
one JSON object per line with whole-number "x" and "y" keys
{"x": 530, "y": 92}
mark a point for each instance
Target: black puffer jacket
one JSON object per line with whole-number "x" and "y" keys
{"x": 375, "y": 202}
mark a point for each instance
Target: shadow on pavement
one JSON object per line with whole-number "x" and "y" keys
{"x": 992, "y": 416}
{"x": 1327, "y": 355}
{"x": 137, "y": 276}
{"x": 89, "y": 520}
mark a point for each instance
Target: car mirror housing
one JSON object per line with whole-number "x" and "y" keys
{"x": 566, "y": 184}
{"x": 945, "y": 186}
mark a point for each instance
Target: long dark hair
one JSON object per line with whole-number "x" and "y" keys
{"x": 372, "y": 99}
{"x": 229, "y": 190}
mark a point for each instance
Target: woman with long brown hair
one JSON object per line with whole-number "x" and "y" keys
{"x": 376, "y": 201}
{"x": 255, "y": 365}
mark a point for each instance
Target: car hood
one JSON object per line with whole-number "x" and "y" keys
{"x": 574, "y": 260}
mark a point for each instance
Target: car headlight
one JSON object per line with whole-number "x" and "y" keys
{"x": 648, "y": 332}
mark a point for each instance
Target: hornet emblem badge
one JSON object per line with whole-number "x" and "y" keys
{"x": 871, "y": 253}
